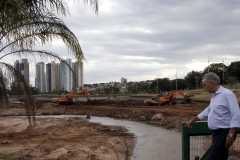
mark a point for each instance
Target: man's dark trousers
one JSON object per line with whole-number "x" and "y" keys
{"x": 219, "y": 150}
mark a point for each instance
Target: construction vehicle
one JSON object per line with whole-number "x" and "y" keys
{"x": 113, "y": 96}
{"x": 117, "y": 100}
{"x": 151, "y": 102}
{"x": 168, "y": 99}
{"x": 68, "y": 98}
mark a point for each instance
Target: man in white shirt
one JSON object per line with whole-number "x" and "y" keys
{"x": 223, "y": 116}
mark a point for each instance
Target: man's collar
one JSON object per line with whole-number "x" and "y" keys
{"x": 220, "y": 88}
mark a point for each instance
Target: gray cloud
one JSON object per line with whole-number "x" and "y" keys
{"x": 140, "y": 39}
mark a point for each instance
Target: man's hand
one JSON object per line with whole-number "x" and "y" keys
{"x": 191, "y": 121}
{"x": 229, "y": 141}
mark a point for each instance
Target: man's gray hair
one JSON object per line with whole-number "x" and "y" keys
{"x": 212, "y": 77}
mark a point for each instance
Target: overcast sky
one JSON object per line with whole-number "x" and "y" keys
{"x": 145, "y": 39}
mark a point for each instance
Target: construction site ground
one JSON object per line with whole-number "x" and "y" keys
{"x": 77, "y": 138}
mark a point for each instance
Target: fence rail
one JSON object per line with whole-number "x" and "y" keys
{"x": 197, "y": 141}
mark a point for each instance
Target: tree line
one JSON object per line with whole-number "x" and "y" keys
{"x": 228, "y": 75}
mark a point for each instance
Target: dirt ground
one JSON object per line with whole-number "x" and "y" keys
{"x": 77, "y": 138}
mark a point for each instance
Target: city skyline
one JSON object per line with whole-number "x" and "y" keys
{"x": 53, "y": 76}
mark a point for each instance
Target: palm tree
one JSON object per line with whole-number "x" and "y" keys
{"x": 24, "y": 24}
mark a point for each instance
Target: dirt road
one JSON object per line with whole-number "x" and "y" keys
{"x": 76, "y": 138}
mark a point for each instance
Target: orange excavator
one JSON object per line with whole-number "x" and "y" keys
{"x": 170, "y": 98}
{"x": 69, "y": 100}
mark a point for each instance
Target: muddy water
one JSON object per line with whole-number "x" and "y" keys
{"x": 153, "y": 143}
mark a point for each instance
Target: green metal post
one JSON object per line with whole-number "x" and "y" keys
{"x": 185, "y": 143}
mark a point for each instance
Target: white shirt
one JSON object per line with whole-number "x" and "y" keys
{"x": 223, "y": 111}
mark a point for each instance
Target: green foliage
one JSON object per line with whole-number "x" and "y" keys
{"x": 132, "y": 88}
{"x": 111, "y": 89}
{"x": 219, "y": 69}
{"x": 15, "y": 90}
{"x": 234, "y": 70}
{"x": 181, "y": 84}
{"x": 156, "y": 86}
{"x": 34, "y": 90}
{"x": 193, "y": 79}
{"x": 232, "y": 81}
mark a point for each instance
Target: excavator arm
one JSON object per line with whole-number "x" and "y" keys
{"x": 170, "y": 97}
{"x": 179, "y": 92}
{"x": 68, "y": 99}
{"x": 85, "y": 92}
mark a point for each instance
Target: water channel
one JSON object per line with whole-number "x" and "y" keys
{"x": 153, "y": 143}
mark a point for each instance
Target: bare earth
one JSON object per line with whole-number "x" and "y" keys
{"x": 79, "y": 139}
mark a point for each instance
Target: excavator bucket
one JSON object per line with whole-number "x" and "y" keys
{"x": 187, "y": 98}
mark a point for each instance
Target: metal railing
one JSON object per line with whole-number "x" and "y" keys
{"x": 197, "y": 141}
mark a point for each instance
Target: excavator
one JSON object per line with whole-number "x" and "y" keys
{"x": 113, "y": 96}
{"x": 168, "y": 99}
{"x": 68, "y": 99}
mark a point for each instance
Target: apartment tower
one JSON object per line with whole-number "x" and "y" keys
{"x": 40, "y": 77}
{"x": 23, "y": 67}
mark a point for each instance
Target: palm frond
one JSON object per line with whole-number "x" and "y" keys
{"x": 26, "y": 23}
{"x": 28, "y": 35}
{"x": 3, "y": 90}
{"x": 23, "y": 85}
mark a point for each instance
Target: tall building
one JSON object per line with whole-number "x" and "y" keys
{"x": 123, "y": 80}
{"x": 57, "y": 76}
{"x": 51, "y": 77}
{"x": 57, "y": 70}
{"x": 69, "y": 75}
{"x": 40, "y": 77}
{"x": 78, "y": 70}
{"x": 48, "y": 77}
{"x": 62, "y": 76}
{"x": 23, "y": 67}
{"x": 66, "y": 79}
